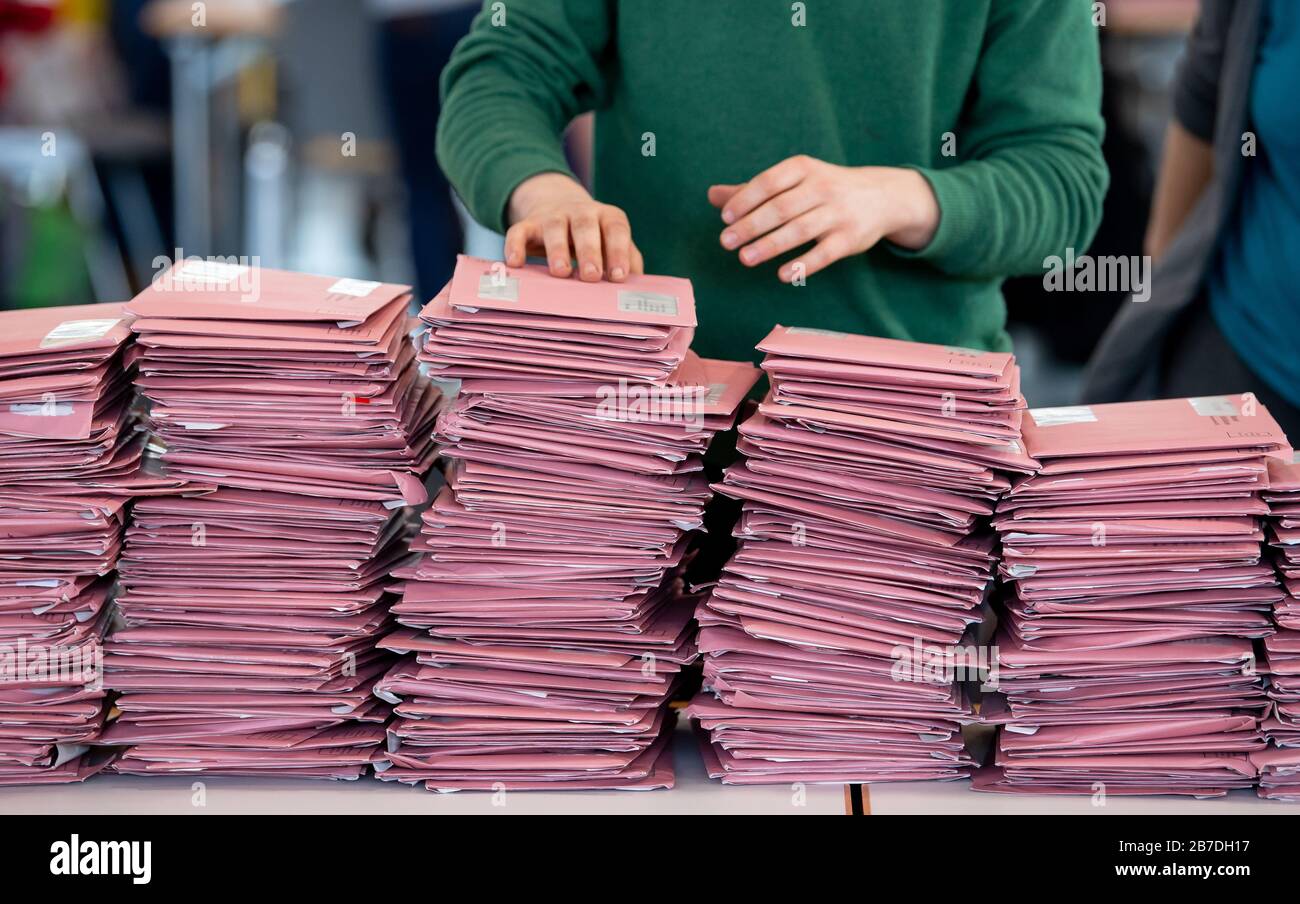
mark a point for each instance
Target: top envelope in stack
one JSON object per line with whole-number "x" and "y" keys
{"x": 1135, "y": 589}
{"x": 870, "y": 472}
{"x": 546, "y": 622}
{"x": 495, "y": 322}
{"x": 69, "y": 461}
{"x": 251, "y": 614}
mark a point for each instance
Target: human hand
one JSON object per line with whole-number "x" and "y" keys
{"x": 550, "y": 214}
{"x": 844, "y": 210}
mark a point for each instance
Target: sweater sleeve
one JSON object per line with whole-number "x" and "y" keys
{"x": 1028, "y": 179}
{"x": 1196, "y": 86}
{"x": 513, "y": 84}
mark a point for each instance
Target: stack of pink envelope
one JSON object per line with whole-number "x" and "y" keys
{"x": 1282, "y": 661}
{"x": 1135, "y": 590}
{"x": 1279, "y": 770}
{"x": 70, "y": 459}
{"x": 835, "y": 642}
{"x": 1279, "y": 773}
{"x": 1283, "y": 498}
{"x": 251, "y": 614}
{"x": 546, "y": 622}
{"x": 1180, "y": 717}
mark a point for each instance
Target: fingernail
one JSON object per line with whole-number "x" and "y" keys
{"x": 558, "y": 264}
{"x": 729, "y": 240}
{"x": 728, "y": 217}
{"x": 616, "y": 273}
{"x": 590, "y": 270}
{"x": 748, "y": 255}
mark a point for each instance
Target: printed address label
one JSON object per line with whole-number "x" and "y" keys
{"x": 70, "y": 332}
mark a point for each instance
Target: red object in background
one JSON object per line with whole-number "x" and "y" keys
{"x": 29, "y": 17}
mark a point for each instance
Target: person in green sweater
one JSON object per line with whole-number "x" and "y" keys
{"x": 868, "y": 166}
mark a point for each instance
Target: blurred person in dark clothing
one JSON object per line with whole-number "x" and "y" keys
{"x": 416, "y": 38}
{"x": 1224, "y": 313}
{"x": 143, "y": 59}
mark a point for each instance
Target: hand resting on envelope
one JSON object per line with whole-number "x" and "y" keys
{"x": 548, "y": 209}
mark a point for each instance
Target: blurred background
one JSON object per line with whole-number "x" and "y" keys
{"x": 301, "y": 132}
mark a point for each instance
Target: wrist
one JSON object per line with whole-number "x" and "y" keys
{"x": 543, "y": 188}
{"x": 914, "y": 209}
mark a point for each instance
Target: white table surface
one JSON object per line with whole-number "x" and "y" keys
{"x": 956, "y": 798}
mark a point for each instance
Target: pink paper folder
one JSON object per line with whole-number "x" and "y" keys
{"x": 1136, "y": 601}
{"x": 545, "y": 621}
{"x": 833, "y": 642}
{"x": 70, "y": 460}
{"x": 250, "y": 615}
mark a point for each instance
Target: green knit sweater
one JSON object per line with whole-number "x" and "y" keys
{"x": 996, "y": 102}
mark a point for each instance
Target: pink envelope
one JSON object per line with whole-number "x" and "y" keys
{"x": 641, "y": 299}
{"x": 92, "y": 332}
{"x": 198, "y": 290}
{"x": 1126, "y": 428}
{"x": 824, "y": 345}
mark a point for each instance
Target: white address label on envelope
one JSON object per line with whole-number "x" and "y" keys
{"x": 208, "y": 273}
{"x": 1066, "y": 414}
{"x": 357, "y": 288}
{"x": 70, "y": 332}
{"x": 1214, "y": 406}
{"x": 630, "y": 302}
{"x": 496, "y": 286}
{"x": 817, "y": 331}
